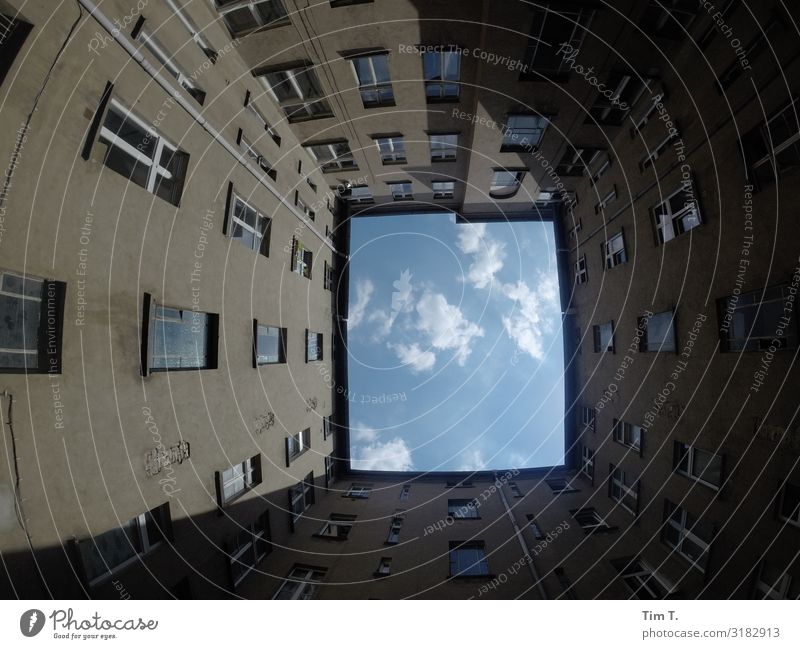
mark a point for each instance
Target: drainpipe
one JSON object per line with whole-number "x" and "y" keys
{"x": 525, "y": 550}
{"x": 166, "y": 84}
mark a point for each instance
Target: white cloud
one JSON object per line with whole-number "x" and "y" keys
{"x": 383, "y": 456}
{"x": 472, "y": 461}
{"x": 446, "y": 326}
{"x": 364, "y": 289}
{"x": 533, "y": 314}
{"x": 362, "y": 433}
{"x": 413, "y": 355}
{"x": 488, "y": 254}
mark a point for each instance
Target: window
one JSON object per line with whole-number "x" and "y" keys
{"x": 269, "y": 345}
{"x": 626, "y": 88}
{"x": 444, "y": 146}
{"x": 257, "y": 159}
{"x": 658, "y": 332}
{"x": 574, "y": 161}
{"x": 305, "y": 209}
{"x": 327, "y": 427}
{"x": 523, "y": 132}
{"x": 441, "y": 71}
{"x": 614, "y": 251}
{"x": 669, "y": 18}
{"x": 405, "y": 492}
{"x": 254, "y": 110}
{"x": 752, "y": 321}
{"x": 297, "y": 444}
{"x": 401, "y": 191}
{"x": 462, "y": 508}
{"x": 250, "y": 545}
{"x": 575, "y": 229}
{"x": 31, "y": 323}
{"x": 597, "y": 167}
{"x": 301, "y": 583}
{"x": 337, "y": 527}
{"x": 360, "y": 195}
{"x": 699, "y": 465}
{"x": 656, "y": 152}
{"x": 358, "y": 491}
{"x": 191, "y": 27}
{"x": 789, "y": 505}
{"x": 374, "y": 83}
{"x": 249, "y": 227}
{"x": 302, "y": 259}
{"x": 468, "y": 559}
{"x": 313, "y": 346}
{"x": 328, "y": 277}
{"x": 160, "y": 54}
{"x": 297, "y": 92}
{"x": 515, "y": 490}
{"x": 109, "y": 552}
{"x": 136, "y": 151}
{"x": 330, "y": 471}
{"x": 689, "y": 537}
{"x": 13, "y": 32}
{"x": 628, "y": 434}
{"x": 301, "y": 497}
{"x": 774, "y": 583}
{"x": 657, "y": 96}
{"x": 244, "y": 16}
{"x": 609, "y": 198}
{"x": 710, "y": 33}
{"x": 588, "y": 417}
{"x": 581, "y": 274}
{"x": 392, "y": 149}
{"x": 394, "y": 530}
{"x": 384, "y": 567}
{"x": 773, "y": 148}
{"x": 603, "y": 337}
{"x": 587, "y": 462}
{"x": 534, "y": 527}
{"x": 238, "y": 479}
{"x": 505, "y": 183}
{"x": 177, "y": 339}
{"x": 624, "y": 490}
{"x": 332, "y": 156}
{"x": 589, "y": 520}
{"x": 443, "y": 189}
{"x": 550, "y": 30}
{"x": 644, "y": 582}
{"x": 678, "y": 214}
{"x": 560, "y": 486}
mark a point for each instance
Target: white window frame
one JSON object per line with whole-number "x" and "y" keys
{"x": 405, "y": 192}
{"x": 256, "y": 112}
{"x": 615, "y": 253}
{"x": 670, "y": 226}
{"x": 299, "y": 100}
{"x": 581, "y": 272}
{"x": 514, "y": 135}
{"x": 610, "y": 197}
{"x": 685, "y": 534}
{"x": 501, "y": 188}
{"x": 301, "y": 493}
{"x": 397, "y": 149}
{"x": 249, "y": 4}
{"x": 298, "y": 444}
{"x": 775, "y": 149}
{"x": 358, "y": 491}
{"x": 619, "y": 480}
{"x": 395, "y": 527}
{"x": 588, "y": 417}
{"x": 257, "y": 236}
{"x": 769, "y": 591}
{"x": 623, "y": 434}
{"x": 597, "y": 523}
{"x": 256, "y": 532}
{"x": 440, "y": 193}
{"x": 689, "y": 452}
{"x": 238, "y": 474}
{"x": 644, "y": 577}
{"x": 359, "y": 197}
{"x": 587, "y": 462}
{"x": 441, "y": 81}
{"x": 443, "y": 149}
{"x": 336, "y": 161}
{"x": 384, "y": 567}
{"x": 581, "y": 19}
{"x": 405, "y": 492}
{"x": 194, "y": 32}
{"x": 372, "y": 85}
{"x": 155, "y": 169}
{"x": 338, "y": 526}
{"x": 656, "y": 152}
{"x": 301, "y": 583}
{"x": 457, "y": 507}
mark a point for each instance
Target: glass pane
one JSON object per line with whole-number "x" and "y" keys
{"x": 108, "y": 550}
{"x": 268, "y": 345}
{"x": 21, "y": 285}
{"x": 130, "y": 131}
{"x": 19, "y": 331}
{"x": 239, "y": 20}
{"x": 126, "y": 165}
{"x": 707, "y": 467}
{"x": 180, "y": 344}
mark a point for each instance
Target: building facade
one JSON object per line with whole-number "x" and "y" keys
{"x": 180, "y": 182}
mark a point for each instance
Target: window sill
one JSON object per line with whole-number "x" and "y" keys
{"x": 487, "y": 576}
{"x": 435, "y": 160}
{"x": 389, "y": 163}
{"x": 443, "y": 100}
